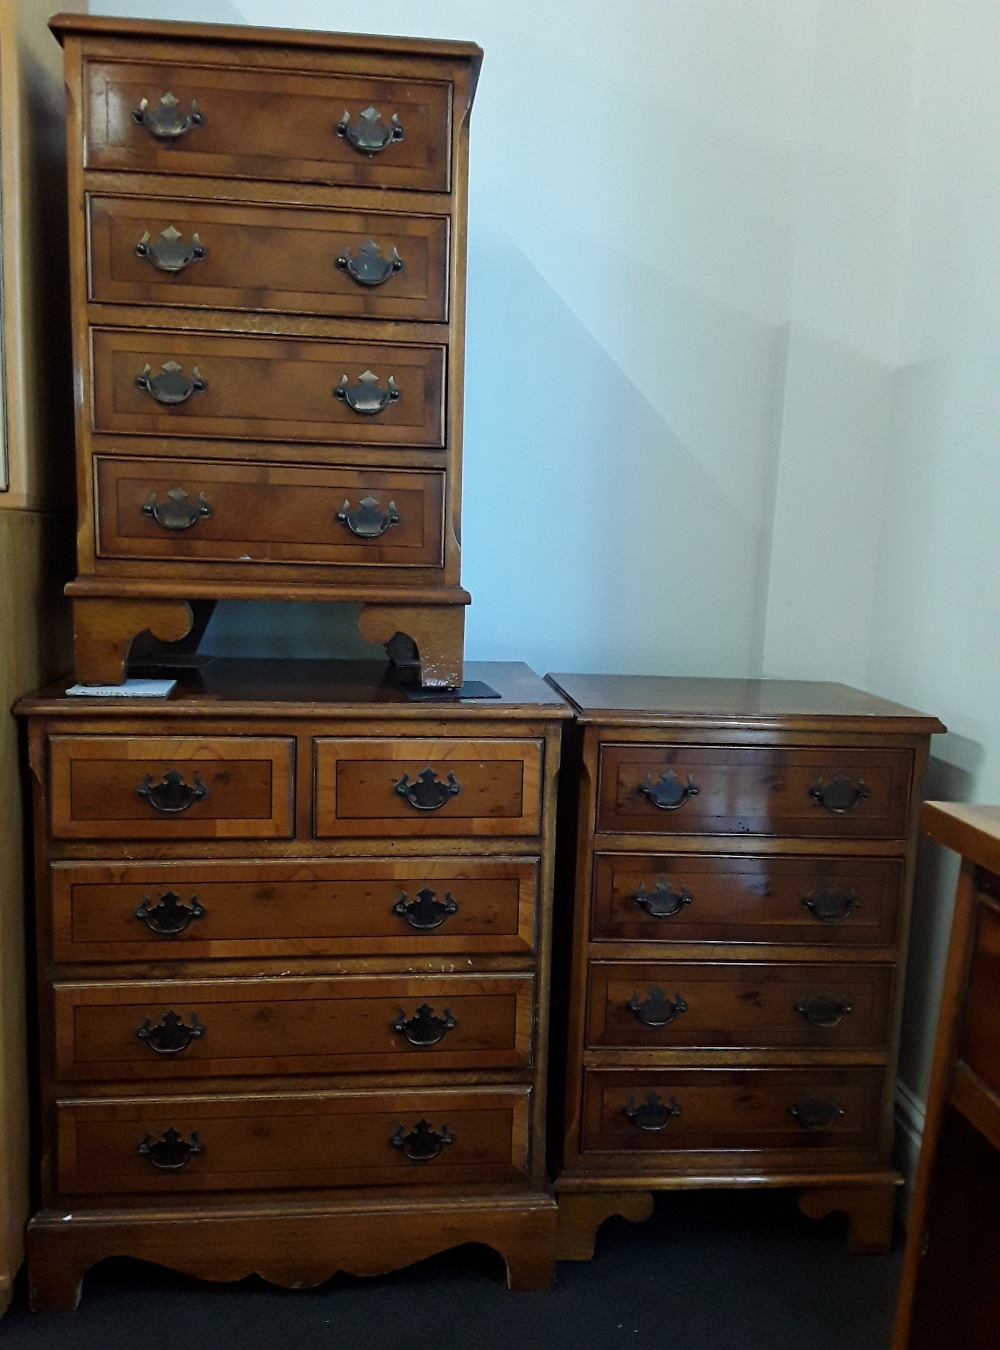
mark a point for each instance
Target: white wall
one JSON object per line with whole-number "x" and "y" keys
{"x": 734, "y": 335}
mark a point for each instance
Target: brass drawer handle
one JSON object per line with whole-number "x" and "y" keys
{"x": 668, "y": 793}
{"x": 172, "y": 795}
{"x": 171, "y": 1152}
{"x": 824, "y": 1010}
{"x": 424, "y": 1027}
{"x": 653, "y": 1115}
{"x": 369, "y": 268}
{"x": 165, "y": 120}
{"x": 168, "y": 254}
{"x": 171, "y": 1034}
{"x": 840, "y": 795}
{"x": 815, "y": 1114}
{"x": 367, "y": 397}
{"x": 830, "y": 905}
{"x": 656, "y": 1010}
{"x": 422, "y": 1143}
{"x": 169, "y": 916}
{"x": 425, "y": 913}
{"x": 172, "y": 386}
{"x": 426, "y": 792}
{"x": 661, "y": 902}
{"x": 369, "y": 134}
{"x": 177, "y": 512}
{"x": 368, "y": 521}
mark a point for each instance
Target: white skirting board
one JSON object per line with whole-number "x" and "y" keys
{"x": 910, "y": 1113}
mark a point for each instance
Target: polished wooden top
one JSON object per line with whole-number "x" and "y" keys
{"x": 973, "y": 831}
{"x": 273, "y": 688}
{"x": 623, "y": 700}
{"x": 172, "y": 30}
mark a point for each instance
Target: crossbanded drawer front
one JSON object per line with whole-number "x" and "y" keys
{"x": 269, "y": 513}
{"x": 189, "y": 910}
{"x": 171, "y": 787}
{"x": 196, "y": 254}
{"x": 715, "y": 1110}
{"x": 254, "y": 123}
{"x": 695, "y": 789}
{"x": 690, "y": 897}
{"x": 156, "y": 383}
{"x": 424, "y": 787}
{"x": 707, "y": 1005}
{"x": 182, "y": 1145}
{"x": 209, "y": 1028}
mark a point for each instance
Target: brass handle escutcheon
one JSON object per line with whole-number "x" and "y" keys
{"x": 815, "y": 1114}
{"x": 840, "y": 795}
{"x": 653, "y": 1115}
{"x": 369, "y": 134}
{"x": 661, "y": 902}
{"x": 425, "y": 913}
{"x": 171, "y": 1151}
{"x": 424, "y": 1027}
{"x": 668, "y": 793}
{"x": 656, "y": 1010}
{"x": 426, "y": 792}
{"x": 171, "y": 385}
{"x": 165, "y": 120}
{"x": 824, "y": 1010}
{"x": 368, "y": 267}
{"x": 172, "y": 795}
{"x": 830, "y": 905}
{"x": 368, "y": 521}
{"x": 168, "y": 254}
{"x": 367, "y": 397}
{"x": 422, "y": 1143}
{"x": 169, "y": 916}
{"x": 177, "y": 512}
{"x": 171, "y": 1034}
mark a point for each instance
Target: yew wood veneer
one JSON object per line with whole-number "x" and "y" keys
{"x": 734, "y": 925}
{"x": 267, "y": 242}
{"x": 293, "y": 933}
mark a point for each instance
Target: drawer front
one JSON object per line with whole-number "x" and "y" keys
{"x": 192, "y": 910}
{"x": 694, "y": 789}
{"x": 139, "y": 1030}
{"x": 269, "y": 513}
{"x": 690, "y": 897}
{"x": 171, "y": 787}
{"x": 705, "y": 1110}
{"x": 981, "y": 1035}
{"x": 257, "y": 388}
{"x": 309, "y": 1140}
{"x": 254, "y": 258}
{"x": 432, "y": 788}
{"x": 252, "y": 123}
{"x": 740, "y": 1004}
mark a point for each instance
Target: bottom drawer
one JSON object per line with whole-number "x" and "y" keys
{"x": 184, "y": 1145}
{"x": 698, "y": 1110}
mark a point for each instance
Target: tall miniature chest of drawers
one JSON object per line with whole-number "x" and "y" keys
{"x": 293, "y": 942}
{"x": 743, "y": 869}
{"x": 268, "y": 274}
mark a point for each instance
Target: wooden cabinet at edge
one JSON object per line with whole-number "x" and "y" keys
{"x": 293, "y": 943}
{"x": 740, "y": 910}
{"x": 268, "y": 238}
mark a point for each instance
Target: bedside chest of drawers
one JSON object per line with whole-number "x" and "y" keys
{"x": 268, "y": 259}
{"x": 739, "y": 917}
{"x": 293, "y": 939}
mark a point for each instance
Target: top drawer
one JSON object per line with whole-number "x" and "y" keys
{"x": 828, "y": 792}
{"x": 240, "y": 123}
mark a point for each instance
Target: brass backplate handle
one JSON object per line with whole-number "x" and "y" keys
{"x": 653, "y": 1115}
{"x": 424, "y": 912}
{"x": 367, "y": 132}
{"x": 668, "y": 793}
{"x": 661, "y": 902}
{"x": 169, "y": 917}
{"x": 367, "y": 397}
{"x": 177, "y": 512}
{"x": 426, "y": 792}
{"x": 422, "y": 1143}
{"x": 424, "y": 1027}
{"x": 165, "y": 120}
{"x": 841, "y": 794}
{"x": 171, "y": 1151}
{"x": 171, "y": 1034}
{"x": 172, "y": 795}
{"x": 368, "y": 520}
{"x": 368, "y": 267}
{"x": 171, "y": 386}
{"x": 656, "y": 1009}
{"x": 169, "y": 253}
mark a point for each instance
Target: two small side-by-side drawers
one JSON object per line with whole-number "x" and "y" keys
{"x": 294, "y": 967}
{"x": 740, "y": 910}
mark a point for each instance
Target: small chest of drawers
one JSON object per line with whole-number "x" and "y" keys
{"x": 740, "y": 900}
{"x": 293, "y": 941}
{"x": 268, "y": 273}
